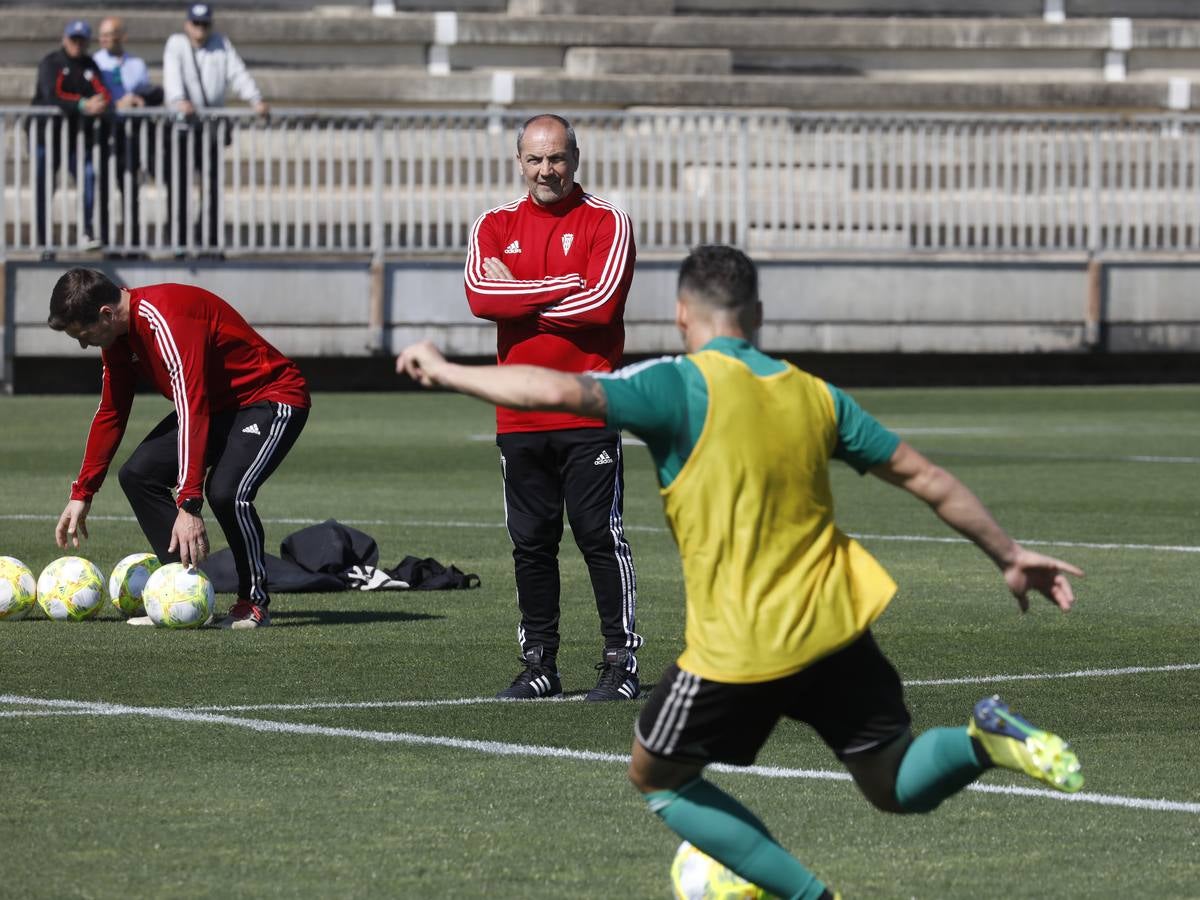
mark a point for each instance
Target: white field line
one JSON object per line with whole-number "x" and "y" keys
{"x": 44, "y": 713}
{"x": 473, "y": 701}
{"x": 1160, "y": 459}
{"x": 452, "y": 523}
{"x": 502, "y": 748}
{"x": 1049, "y": 676}
{"x": 480, "y": 438}
{"x": 375, "y": 704}
{"x": 1030, "y": 542}
{"x": 1059, "y": 457}
{"x": 982, "y": 431}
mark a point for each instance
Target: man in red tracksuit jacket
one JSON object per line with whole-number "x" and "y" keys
{"x": 240, "y": 404}
{"x": 552, "y": 270}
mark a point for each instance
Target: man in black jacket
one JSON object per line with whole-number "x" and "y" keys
{"x": 69, "y": 79}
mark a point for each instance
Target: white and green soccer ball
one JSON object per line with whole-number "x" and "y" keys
{"x": 179, "y": 597}
{"x": 18, "y": 590}
{"x": 128, "y": 580}
{"x": 70, "y": 588}
{"x": 697, "y": 876}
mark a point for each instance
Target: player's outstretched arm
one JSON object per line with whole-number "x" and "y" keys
{"x": 517, "y": 387}
{"x": 954, "y": 503}
{"x": 72, "y": 524}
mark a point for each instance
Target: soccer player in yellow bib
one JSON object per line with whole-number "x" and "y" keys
{"x": 779, "y": 601}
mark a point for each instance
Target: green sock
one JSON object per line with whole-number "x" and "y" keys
{"x": 715, "y": 823}
{"x": 938, "y": 764}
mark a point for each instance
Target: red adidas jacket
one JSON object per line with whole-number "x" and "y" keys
{"x": 200, "y": 353}
{"x": 574, "y": 264}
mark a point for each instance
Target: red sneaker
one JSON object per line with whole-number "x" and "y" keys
{"x": 245, "y": 614}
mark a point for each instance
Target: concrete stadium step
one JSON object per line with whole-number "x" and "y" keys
{"x": 333, "y": 39}
{"x": 591, "y": 7}
{"x": 346, "y": 57}
{"x": 840, "y": 93}
{"x": 76, "y": 8}
{"x": 1029, "y": 8}
{"x": 552, "y": 89}
{"x": 922, "y": 8}
{"x": 689, "y": 149}
{"x": 641, "y": 61}
{"x": 762, "y": 206}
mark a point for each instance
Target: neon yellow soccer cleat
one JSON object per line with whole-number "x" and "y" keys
{"x": 1013, "y": 743}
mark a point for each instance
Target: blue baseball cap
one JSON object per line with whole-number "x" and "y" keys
{"x": 78, "y": 28}
{"x": 200, "y": 12}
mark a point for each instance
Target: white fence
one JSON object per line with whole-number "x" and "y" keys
{"x": 411, "y": 183}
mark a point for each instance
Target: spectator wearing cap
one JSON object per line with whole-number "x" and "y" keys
{"x": 127, "y": 80}
{"x": 69, "y": 79}
{"x": 199, "y": 66}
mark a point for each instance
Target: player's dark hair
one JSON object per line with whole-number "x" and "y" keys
{"x": 78, "y": 296}
{"x": 723, "y": 277}
{"x": 571, "y": 145}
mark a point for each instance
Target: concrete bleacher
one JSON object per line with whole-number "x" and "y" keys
{"x": 799, "y": 54}
{"x": 1183, "y": 9}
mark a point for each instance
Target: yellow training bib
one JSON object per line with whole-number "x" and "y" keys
{"x": 772, "y": 584}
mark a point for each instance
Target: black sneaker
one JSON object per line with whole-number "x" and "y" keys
{"x": 538, "y": 679}
{"x": 616, "y": 681}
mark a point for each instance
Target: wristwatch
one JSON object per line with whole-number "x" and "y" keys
{"x": 192, "y": 505}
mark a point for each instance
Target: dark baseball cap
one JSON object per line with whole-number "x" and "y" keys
{"x": 78, "y": 28}
{"x": 200, "y": 12}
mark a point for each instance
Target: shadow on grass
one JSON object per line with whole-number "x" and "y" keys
{"x": 301, "y": 617}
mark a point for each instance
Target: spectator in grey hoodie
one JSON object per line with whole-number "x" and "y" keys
{"x": 199, "y": 66}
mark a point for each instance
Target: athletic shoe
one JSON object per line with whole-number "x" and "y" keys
{"x": 538, "y": 679}
{"x": 1013, "y": 743}
{"x": 245, "y": 614}
{"x": 616, "y": 682}
{"x": 87, "y": 242}
{"x": 139, "y": 620}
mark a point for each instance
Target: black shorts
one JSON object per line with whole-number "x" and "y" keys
{"x": 853, "y": 698}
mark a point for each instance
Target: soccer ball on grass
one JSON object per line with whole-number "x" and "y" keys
{"x": 697, "y": 876}
{"x": 179, "y": 597}
{"x": 128, "y": 580}
{"x": 18, "y": 590}
{"x": 71, "y": 588}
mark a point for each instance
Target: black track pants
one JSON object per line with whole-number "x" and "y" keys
{"x": 583, "y": 470}
{"x": 244, "y": 447}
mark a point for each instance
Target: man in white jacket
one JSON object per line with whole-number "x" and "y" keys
{"x": 199, "y": 66}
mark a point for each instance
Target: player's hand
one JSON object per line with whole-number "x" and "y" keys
{"x": 1048, "y": 576}
{"x": 420, "y": 362}
{"x": 184, "y": 107}
{"x": 496, "y": 270}
{"x": 262, "y": 108}
{"x": 190, "y": 538}
{"x": 72, "y": 524}
{"x": 130, "y": 101}
{"x": 94, "y": 105}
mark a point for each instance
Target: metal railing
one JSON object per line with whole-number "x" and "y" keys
{"x": 413, "y": 182}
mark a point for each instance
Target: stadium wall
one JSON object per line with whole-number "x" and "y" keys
{"x": 1045, "y": 314}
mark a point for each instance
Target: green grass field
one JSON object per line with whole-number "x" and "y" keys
{"x": 326, "y": 757}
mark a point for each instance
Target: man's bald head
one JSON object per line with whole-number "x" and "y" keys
{"x": 112, "y": 35}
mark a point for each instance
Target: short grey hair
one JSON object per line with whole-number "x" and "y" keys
{"x": 571, "y": 144}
